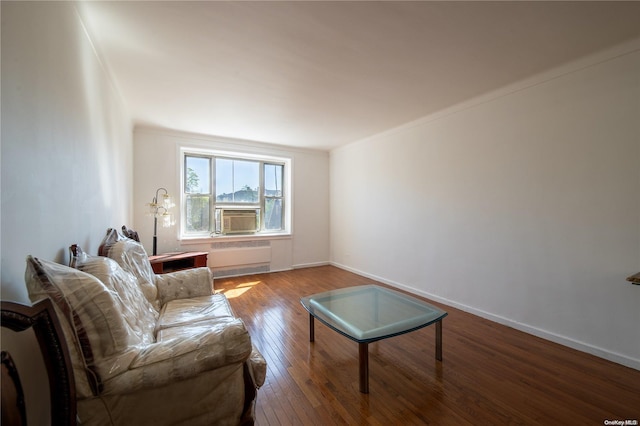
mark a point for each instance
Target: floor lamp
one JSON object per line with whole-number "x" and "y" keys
{"x": 160, "y": 209}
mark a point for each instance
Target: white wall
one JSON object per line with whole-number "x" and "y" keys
{"x": 66, "y": 141}
{"x": 66, "y": 150}
{"x": 522, "y": 206}
{"x": 157, "y": 164}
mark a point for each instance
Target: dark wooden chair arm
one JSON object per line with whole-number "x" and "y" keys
{"x": 42, "y": 318}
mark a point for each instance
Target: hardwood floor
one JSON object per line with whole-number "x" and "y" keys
{"x": 490, "y": 374}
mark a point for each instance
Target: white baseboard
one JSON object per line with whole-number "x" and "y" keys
{"x": 544, "y": 334}
{"x": 310, "y": 265}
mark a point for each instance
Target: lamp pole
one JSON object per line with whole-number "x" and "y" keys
{"x": 155, "y": 207}
{"x": 155, "y": 236}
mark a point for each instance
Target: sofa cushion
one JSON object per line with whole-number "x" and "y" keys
{"x": 137, "y": 311}
{"x": 184, "y": 352}
{"x": 222, "y": 341}
{"x": 179, "y": 312}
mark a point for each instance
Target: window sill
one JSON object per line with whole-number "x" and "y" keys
{"x": 254, "y": 237}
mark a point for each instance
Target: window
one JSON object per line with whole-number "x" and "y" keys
{"x": 229, "y": 194}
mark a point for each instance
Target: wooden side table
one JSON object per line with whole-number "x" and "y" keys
{"x": 171, "y": 262}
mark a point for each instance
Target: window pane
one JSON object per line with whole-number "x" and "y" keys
{"x": 224, "y": 180}
{"x": 197, "y": 213}
{"x": 273, "y": 214}
{"x": 237, "y": 181}
{"x": 273, "y": 180}
{"x": 246, "y": 181}
{"x": 196, "y": 179}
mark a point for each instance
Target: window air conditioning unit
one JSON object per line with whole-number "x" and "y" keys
{"x": 234, "y": 221}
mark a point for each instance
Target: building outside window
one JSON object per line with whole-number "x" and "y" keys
{"x": 231, "y": 194}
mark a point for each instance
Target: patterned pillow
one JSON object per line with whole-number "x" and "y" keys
{"x": 86, "y": 379}
{"x": 132, "y": 257}
{"x": 91, "y": 308}
{"x": 138, "y": 312}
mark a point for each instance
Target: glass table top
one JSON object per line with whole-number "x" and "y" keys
{"x": 370, "y": 312}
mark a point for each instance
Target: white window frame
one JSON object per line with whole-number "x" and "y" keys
{"x": 263, "y": 159}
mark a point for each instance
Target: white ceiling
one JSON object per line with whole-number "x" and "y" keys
{"x": 322, "y": 74}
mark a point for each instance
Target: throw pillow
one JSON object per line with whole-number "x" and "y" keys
{"x": 92, "y": 310}
{"x": 137, "y": 310}
{"x": 132, "y": 257}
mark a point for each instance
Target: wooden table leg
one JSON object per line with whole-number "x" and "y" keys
{"x": 439, "y": 340}
{"x": 363, "y": 354}
{"x": 312, "y": 334}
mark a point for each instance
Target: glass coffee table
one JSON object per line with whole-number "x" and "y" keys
{"x": 370, "y": 313}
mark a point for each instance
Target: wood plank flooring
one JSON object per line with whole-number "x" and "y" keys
{"x": 490, "y": 374}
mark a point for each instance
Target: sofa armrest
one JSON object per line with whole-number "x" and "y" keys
{"x": 184, "y": 284}
{"x": 257, "y": 367}
{"x": 183, "y": 353}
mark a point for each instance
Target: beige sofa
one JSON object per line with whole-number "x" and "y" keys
{"x": 146, "y": 348}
